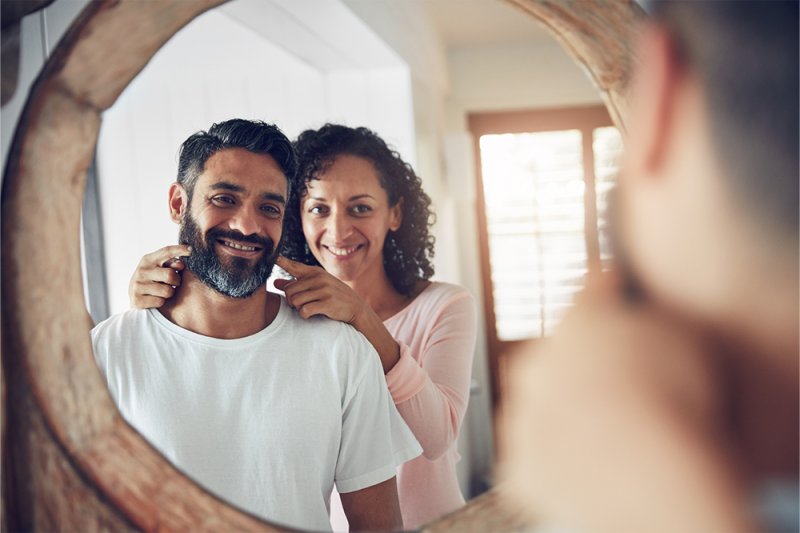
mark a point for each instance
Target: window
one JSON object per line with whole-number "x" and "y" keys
{"x": 543, "y": 178}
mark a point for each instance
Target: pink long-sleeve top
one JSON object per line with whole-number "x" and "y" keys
{"x": 430, "y": 387}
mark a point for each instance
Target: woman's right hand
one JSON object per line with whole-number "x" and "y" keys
{"x": 156, "y": 277}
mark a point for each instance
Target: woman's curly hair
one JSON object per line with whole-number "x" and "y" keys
{"x": 407, "y": 252}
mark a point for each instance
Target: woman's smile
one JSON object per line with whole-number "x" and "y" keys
{"x": 342, "y": 253}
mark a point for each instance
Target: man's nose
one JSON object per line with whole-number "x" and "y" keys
{"x": 246, "y": 221}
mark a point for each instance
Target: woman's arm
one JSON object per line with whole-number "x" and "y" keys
{"x": 432, "y": 396}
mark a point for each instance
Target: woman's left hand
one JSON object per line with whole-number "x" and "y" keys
{"x": 316, "y": 292}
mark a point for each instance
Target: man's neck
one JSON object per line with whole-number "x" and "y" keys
{"x": 200, "y": 309}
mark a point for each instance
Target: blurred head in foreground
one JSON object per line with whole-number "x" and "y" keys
{"x": 709, "y": 188}
{"x": 679, "y": 411}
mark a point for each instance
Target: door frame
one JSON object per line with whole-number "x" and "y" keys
{"x": 585, "y": 119}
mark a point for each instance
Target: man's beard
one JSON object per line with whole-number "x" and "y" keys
{"x": 237, "y": 277}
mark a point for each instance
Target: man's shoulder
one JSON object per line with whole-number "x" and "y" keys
{"x": 317, "y": 325}
{"x": 127, "y": 320}
{"x": 320, "y": 333}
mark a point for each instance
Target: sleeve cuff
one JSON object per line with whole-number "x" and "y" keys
{"x": 406, "y": 378}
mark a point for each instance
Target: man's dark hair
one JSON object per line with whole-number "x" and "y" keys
{"x": 746, "y": 56}
{"x": 252, "y": 135}
{"x": 406, "y": 252}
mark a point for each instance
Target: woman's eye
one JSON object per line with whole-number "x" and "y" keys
{"x": 361, "y": 208}
{"x": 318, "y": 210}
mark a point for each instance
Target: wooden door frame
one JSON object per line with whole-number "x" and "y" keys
{"x": 585, "y": 119}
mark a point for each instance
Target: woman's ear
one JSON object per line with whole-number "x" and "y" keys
{"x": 178, "y": 202}
{"x": 396, "y": 215}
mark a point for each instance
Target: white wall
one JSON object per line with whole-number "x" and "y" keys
{"x": 517, "y": 76}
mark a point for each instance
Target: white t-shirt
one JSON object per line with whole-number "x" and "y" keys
{"x": 268, "y": 422}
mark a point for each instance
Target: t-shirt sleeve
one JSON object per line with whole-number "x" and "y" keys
{"x": 375, "y": 439}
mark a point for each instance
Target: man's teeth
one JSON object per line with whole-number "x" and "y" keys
{"x": 240, "y": 247}
{"x": 342, "y": 251}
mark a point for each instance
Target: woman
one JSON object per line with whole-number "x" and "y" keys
{"x": 361, "y": 215}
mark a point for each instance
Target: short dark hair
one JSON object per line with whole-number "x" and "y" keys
{"x": 252, "y": 135}
{"x": 746, "y": 56}
{"x": 407, "y": 252}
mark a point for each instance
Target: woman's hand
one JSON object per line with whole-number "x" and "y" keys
{"x": 316, "y": 292}
{"x": 156, "y": 277}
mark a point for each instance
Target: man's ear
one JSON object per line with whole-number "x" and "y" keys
{"x": 178, "y": 202}
{"x": 396, "y": 214}
{"x": 655, "y": 90}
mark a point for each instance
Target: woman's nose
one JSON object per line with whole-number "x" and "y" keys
{"x": 339, "y": 227}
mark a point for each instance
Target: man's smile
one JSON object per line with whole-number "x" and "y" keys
{"x": 237, "y": 246}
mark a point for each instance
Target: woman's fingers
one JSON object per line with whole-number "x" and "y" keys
{"x": 142, "y": 301}
{"x": 282, "y": 284}
{"x": 298, "y": 270}
{"x": 301, "y": 298}
{"x": 153, "y": 288}
{"x": 310, "y": 309}
{"x": 175, "y": 264}
{"x": 162, "y": 255}
{"x": 164, "y": 275}
{"x": 156, "y": 276}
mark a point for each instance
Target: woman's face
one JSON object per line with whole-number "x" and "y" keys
{"x": 346, "y": 217}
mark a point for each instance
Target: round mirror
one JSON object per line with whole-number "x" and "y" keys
{"x": 70, "y": 462}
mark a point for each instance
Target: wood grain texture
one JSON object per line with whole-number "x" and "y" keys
{"x": 492, "y": 511}
{"x": 69, "y": 461}
{"x": 600, "y": 35}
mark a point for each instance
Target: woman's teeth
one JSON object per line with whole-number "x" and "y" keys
{"x": 342, "y": 251}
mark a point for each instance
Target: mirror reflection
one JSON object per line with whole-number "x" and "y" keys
{"x": 415, "y": 73}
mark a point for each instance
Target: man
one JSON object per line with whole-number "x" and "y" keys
{"x": 669, "y": 401}
{"x": 261, "y": 407}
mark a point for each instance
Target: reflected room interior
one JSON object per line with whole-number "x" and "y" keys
{"x": 509, "y": 135}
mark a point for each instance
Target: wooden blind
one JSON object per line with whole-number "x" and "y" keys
{"x": 533, "y": 189}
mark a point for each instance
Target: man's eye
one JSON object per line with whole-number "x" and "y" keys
{"x": 271, "y": 209}
{"x": 222, "y": 199}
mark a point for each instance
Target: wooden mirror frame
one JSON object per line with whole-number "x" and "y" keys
{"x": 69, "y": 460}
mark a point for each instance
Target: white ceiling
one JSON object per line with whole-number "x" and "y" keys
{"x": 483, "y": 22}
{"x": 325, "y": 34}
